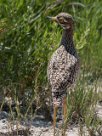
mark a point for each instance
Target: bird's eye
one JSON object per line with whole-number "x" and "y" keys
{"x": 61, "y": 20}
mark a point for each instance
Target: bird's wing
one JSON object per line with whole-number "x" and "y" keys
{"x": 61, "y": 68}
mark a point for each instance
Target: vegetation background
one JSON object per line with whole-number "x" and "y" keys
{"x": 27, "y": 40}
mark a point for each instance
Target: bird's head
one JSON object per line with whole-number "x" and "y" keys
{"x": 65, "y": 20}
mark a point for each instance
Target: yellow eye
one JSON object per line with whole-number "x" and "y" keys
{"x": 61, "y": 20}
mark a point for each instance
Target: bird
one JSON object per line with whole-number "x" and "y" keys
{"x": 63, "y": 66}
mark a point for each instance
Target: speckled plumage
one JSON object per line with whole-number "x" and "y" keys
{"x": 63, "y": 67}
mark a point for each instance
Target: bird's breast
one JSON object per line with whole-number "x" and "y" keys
{"x": 62, "y": 68}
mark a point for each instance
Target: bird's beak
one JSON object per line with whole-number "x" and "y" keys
{"x": 52, "y": 18}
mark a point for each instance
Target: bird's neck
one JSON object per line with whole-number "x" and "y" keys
{"x": 67, "y": 40}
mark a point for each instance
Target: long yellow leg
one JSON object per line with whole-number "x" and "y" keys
{"x": 64, "y": 114}
{"x": 54, "y": 117}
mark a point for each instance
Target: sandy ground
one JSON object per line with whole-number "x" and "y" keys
{"x": 38, "y": 127}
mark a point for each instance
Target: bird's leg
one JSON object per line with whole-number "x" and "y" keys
{"x": 64, "y": 114}
{"x": 54, "y": 117}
